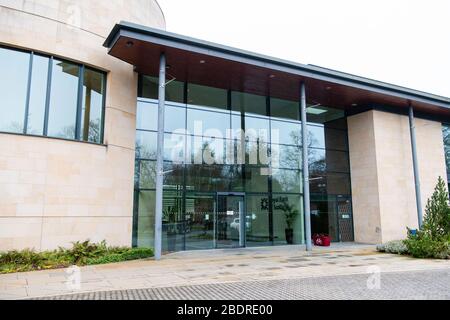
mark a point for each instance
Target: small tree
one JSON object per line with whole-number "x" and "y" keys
{"x": 437, "y": 219}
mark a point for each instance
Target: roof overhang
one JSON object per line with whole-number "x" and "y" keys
{"x": 216, "y": 65}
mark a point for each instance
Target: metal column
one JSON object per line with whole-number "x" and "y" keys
{"x": 159, "y": 157}
{"x": 306, "y": 197}
{"x": 415, "y": 165}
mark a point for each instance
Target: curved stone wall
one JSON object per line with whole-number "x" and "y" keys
{"x": 54, "y": 191}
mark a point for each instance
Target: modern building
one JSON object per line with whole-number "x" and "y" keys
{"x": 124, "y": 132}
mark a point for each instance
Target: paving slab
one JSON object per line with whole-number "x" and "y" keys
{"x": 214, "y": 267}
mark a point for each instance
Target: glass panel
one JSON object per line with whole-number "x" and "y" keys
{"x": 174, "y": 223}
{"x": 174, "y": 176}
{"x": 337, "y": 161}
{"x": 200, "y": 220}
{"x": 207, "y": 178}
{"x": 288, "y": 157}
{"x": 14, "y": 66}
{"x": 92, "y": 107}
{"x": 248, "y": 103}
{"x": 211, "y": 124}
{"x": 149, "y": 89}
{"x": 207, "y": 96}
{"x": 336, "y": 139}
{"x": 175, "y": 119}
{"x": 288, "y": 133}
{"x": 324, "y": 216}
{"x": 145, "y": 219}
{"x": 288, "y": 227}
{"x": 321, "y": 114}
{"x": 257, "y": 129}
{"x": 230, "y": 216}
{"x": 331, "y": 183}
{"x": 257, "y": 219}
{"x": 236, "y": 178}
{"x": 147, "y": 116}
{"x": 174, "y": 147}
{"x": 289, "y": 181}
{"x": 38, "y": 95}
{"x": 316, "y": 137}
{"x": 146, "y": 144}
{"x": 257, "y": 153}
{"x": 63, "y": 100}
{"x": 317, "y": 161}
{"x": 147, "y": 174}
{"x": 256, "y": 179}
{"x": 285, "y": 109}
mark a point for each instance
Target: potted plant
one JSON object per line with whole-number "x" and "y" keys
{"x": 290, "y": 215}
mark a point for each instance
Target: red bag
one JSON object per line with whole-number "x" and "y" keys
{"x": 322, "y": 240}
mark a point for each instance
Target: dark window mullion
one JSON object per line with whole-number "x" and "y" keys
{"x": 78, "y": 135}
{"x": 27, "y": 103}
{"x": 102, "y": 120}
{"x": 47, "y": 98}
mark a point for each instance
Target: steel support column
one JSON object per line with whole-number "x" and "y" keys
{"x": 160, "y": 158}
{"x": 306, "y": 196}
{"x": 415, "y": 165}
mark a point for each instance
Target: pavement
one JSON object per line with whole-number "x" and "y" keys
{"x": 343, "y": 271}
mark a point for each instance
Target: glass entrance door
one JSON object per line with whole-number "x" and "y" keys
{"x": 230, "y": 225}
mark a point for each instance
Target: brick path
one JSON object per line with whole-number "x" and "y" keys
{"x": 433, "y": 284}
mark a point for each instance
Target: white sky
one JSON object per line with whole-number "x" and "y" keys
{"x": 404, "y": 42}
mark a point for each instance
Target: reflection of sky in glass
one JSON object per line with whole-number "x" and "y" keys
{"x": 63, "y": 100}
{"x": 14, "y": 67}
{"x": 38, "y": 94}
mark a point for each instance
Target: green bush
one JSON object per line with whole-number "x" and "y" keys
{"x": 433, "y": 239}
{"x": 130, "y": 254}
{"x": 422, "y": 246}
{"x": 81, "y": 253}
{"x": 395, "y": 247}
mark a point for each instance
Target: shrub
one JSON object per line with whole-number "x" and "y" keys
{"x": 395, "y": 247}
{"x": 433, "y": 239}
{"x": 126, "y": 255}
{"x": 422, "y": 246}
{"x": 81, "y": 253}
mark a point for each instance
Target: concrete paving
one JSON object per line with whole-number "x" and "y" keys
{"x": 215, "y": 267}
{"x": 410, "y": 285}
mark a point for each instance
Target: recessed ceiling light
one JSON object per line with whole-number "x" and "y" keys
{"x": 130, "y": 44}
{"x": 328, "y": 88}
{"x": 202, "y": 61}
{"x": 272, "y": 76}
{"x": 354, "y": 105}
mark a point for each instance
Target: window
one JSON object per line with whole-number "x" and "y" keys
{"x": 14, "y": 66}
{"x": 148, "y": 88}
{"x": 38, "y": 95}
{"x": 63, "y": 100}
{"x": 50, "y": 97}
{"x": 92, "y": 107}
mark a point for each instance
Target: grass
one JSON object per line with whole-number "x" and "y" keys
{"x": 81, "y": 254}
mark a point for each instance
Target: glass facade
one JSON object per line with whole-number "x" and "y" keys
{"x": 228, "y": 153}
{"x": 46, "y": 96}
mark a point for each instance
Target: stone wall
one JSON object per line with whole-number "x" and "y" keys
{"x": 53, "y": 192}
{"x": 384, "y": 199}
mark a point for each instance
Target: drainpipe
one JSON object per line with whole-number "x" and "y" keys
{"x": 159, "y": 158}
{"x": 415, "y": 164}
{"x": 306, "y": 196}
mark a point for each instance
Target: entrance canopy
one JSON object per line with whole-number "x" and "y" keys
{"x": 215, "y": 65}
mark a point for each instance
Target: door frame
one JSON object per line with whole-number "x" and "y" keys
{"x": 242, "y": 218}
